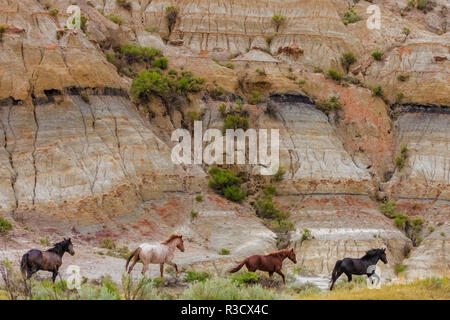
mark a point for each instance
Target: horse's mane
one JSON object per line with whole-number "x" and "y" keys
{"x": 57, "y": 247}
{"x": 171, "y": 237}
{"x": 279, "y": 253}
{"x": 371, "y": 253}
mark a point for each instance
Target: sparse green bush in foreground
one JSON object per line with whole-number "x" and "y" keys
{"x": 227, "y": 289}
{"x": 243, "y": 278}
{"x": 194, "y": 276}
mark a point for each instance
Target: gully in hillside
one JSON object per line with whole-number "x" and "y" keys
{"x": 272, "y": 262}
{"x": 50, "y": 260}
{"x": 361, "y": 266}
{"x": 158, "y": 254}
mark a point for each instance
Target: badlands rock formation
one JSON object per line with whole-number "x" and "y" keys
{"x": 79, "y": 157}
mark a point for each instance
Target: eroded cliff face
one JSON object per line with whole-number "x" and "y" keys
{"x": 78, "y": 154}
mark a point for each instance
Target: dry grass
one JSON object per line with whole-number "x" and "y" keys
{"x": 428, "y": 289}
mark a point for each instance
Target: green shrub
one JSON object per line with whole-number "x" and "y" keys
{"x": 226, "y": 289}
{"x": 278, "y": 20}
{"x": 399, "y": 162}
{"x": 150, "y": 82}
{"x": 255, "y": 97}
{"x": 142, "y": 290}
{"x": 406, "y": 31}
{"x": 425, "y": 5}
{"x": 304, "y": 289}
{"x": 229, "y": 65}
{"x": 171, "y": 16}
{"x": 172, "y": 72}
{"x": 399, "y": 268}
{"x": 335, "y": 75}
{"x": 83, "y": 21}
{"x": 430, "y": 228}
{"x": 135, "y": 53}
{"x": 234, "y": 193}
{"x": 261, "y": 72}
{"x": 45, "y": 241}
{"x": 152, "y": 29}
{"x": 53, "y": 12}
{"x": 199, "y": 198}
{"x": 187, "y": 83}
{"x": 194, "y": 276}
{"x": 244, "y": 278}
{"x": 224, "y": 252}
{"x": 192, "y": 116}
{"x": 226, "y": 183}
{"x": 318, "y": 70}
{"x": 223, "y": 110}
{"x": 281, "y": 226}
{"x": 388, "y": 208}
{"x": 235, "y": 122}
{"x": 377, "y": 55}
{"x": 400, "y": 97}
{"x": 161, "y": 63}
{"x": 404, "y": 149}
{"x": 348, "y": 59}
{"x": 217, "y": 92}
{"x": 328, "y": 105}
{"x": 116, "y": 19}
{"x": 108, "y": 243}
{"x": 5, "y": 226}
{"x": 279, "y": 175}
{"x": 442, "y": 234}
{"x": 306, "y": 235}
{"x": 403, "y": 77}
{"x": 124, "y": 4}
{"x": 400, "y": 221}
{"x": 377, "y": 92}
{"x": 350, "y": 17}
{"x": 194, "y": 214}
{"x": 2, "y": 31}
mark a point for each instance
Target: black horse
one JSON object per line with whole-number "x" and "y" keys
{"x": 361, "y": 266}
{"x": 50, "y": 260}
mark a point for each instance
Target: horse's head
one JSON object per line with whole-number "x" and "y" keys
{"x": 68, "y": 246}
{"x": 383, "y": 255}
{"x": 291, "y": 255}
{"x": 180, "y": 244}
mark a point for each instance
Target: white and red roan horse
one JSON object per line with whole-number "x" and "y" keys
{"x": 161, "y": 253}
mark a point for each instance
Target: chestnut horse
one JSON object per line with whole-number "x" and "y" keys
{"x": 271, "y": 262}
{"x": 50, "y": 260}
{"x": 162, "y": 253}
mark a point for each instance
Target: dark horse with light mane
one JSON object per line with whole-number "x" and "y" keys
{"x": 361, "y": 266}
{"x": 271, "y": 262}
{"x": 50, "y": 260}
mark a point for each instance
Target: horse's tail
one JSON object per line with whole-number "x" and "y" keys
{"x": 134, "y": 254}
{"x": 24, "y": 264}
{"x": 238, "y": 267}
{"x": 335, "y": 270}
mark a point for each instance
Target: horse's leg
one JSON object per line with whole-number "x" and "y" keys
{"x": 338, "y": 274}
{"x": 161, "y": 270}
{"x": 55, "y": 273}
{"x": 144, "y": 269}
{"x": 173, "y": 264}
{"x": 270, "y": 274}
{"x": 281, "y": 274}
{"x": 135, "y": 260}
{"x": 349, "y": 276}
